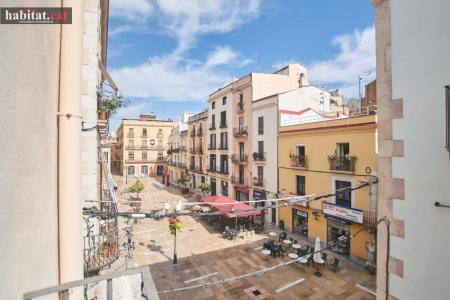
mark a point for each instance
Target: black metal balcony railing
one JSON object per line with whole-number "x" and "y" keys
{"x": 299, "y": 161}
{"x": 193, "y": 150}
{"x": 239, "y": 158}
{"x": 212, "y": 127}
{"x": 212, "y": 169}
{"x": 240, "y": 107}
{"x": 223, "y": 171}
{"x": 176, "y": 150}
{"x": 223, "y": 147}
{"x": 223, "y": 125}
{"x": 258, "y": 182}
{"x": 212, "y": 147}
{"x": 259, "y": 156}
{"x": 342, "y": 163}
{"x": 183, "y": 148}
{"x": 239, "y": 181}
{"x": 240, "y": 131}
{"x": 199, "y": 149}
{"x": 160, "y": 158}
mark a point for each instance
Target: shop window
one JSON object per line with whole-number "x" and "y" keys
{"x": 343, "y": 197}
{"x": 300, "y": 222}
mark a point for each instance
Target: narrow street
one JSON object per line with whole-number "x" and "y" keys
{"x": 202, "y": 252}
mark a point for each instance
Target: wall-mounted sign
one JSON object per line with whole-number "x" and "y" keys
{"x": 349, "y": 214}
{"x": 300, "y": 213}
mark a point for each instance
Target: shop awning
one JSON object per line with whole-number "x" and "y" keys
{"x": 228, "y": 205}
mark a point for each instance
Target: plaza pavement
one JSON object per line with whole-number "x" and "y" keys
{"x": 202, "y": 251}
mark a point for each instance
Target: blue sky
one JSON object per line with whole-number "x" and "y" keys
{"x": 167, "y": 56}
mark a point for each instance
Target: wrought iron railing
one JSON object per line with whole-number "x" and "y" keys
{"x": 240, "y": 131}
{"x": 299, "y": 161}
{"x": 342, "y": 163}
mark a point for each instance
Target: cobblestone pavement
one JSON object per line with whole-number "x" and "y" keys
{"x": 202, "y": 251}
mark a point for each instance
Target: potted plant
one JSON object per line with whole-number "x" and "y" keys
{"x": 136, "y": 188}
{"x": 205, "y": 188}
{"x": 174, "y": 226}
{"x": 182, "y": 181}
{"x": 108, "y": 105}
{"x": 255, "y": 155}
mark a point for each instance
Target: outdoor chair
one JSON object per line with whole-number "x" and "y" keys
{"x": 282, "y": 250}
{"x": 294, "y": 241}
{"x": 274, "y": 250}
{"x": 334, "y": 265}
{"x": 310, "y": 260}
{"x": 267, "y": 245}
{"x": 283, "y": 236}
{"x": 324, "y": 257}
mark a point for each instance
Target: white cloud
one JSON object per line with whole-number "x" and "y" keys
{"x": 356, "y": 57}
{"x": 221, "y": 56}
{"x": 131, "y": 9}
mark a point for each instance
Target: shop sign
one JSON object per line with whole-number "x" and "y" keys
{"x": 301, "y": 213}
{"x": 349, "y": 214}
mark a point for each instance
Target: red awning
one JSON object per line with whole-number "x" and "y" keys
{"x": 227, "y": 204}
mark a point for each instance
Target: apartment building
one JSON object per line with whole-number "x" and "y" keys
{"x": 324, "y": 157}
{"x": 220, "y": 117}
{"x": 177, "y": 152}
{"x": 143, "y": 144}
{"x": 51, "y": 110}
{"x": 197, "y": 149}
{"x": 413, "y": 96}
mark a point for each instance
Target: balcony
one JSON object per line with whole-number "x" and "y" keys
{"x": 259, "y": 157}
{"x": 193, "y": 150}
{"x": 240, "y": 131}
{"x": 175, "y": 150}
{"x": 239, "y": 158}
{"x": 240, "y": 107}
{"x": 183, "y": 149}
{"x": 212, "y": 169}
{"x": 212, "y": 127}
{"x": 160, "y": 158}
{"x": 144, "y": 136}
{"x": 346, "y": 163}
{"x": 239, "y": 181}
{"x": 199, "y": 149}
{"x": 192, "y": 133}
{"x": 192, "y": 167}
{"x": 200, "y": 131}
{"x": 172, "y": 163}
{"x": 299, "y": 161}
{"x": 181, "y": 165}
{"x": 259, "y": 182}
{"x": 370, "y": 217}
{"x": 223, "y": 125}
{"x": 223, "y": 171}
{"x": 130, "y": 135}
{"x": 223, "y": 147}
{"x": 199, "y": 170}
{"x": 212, "y": 147}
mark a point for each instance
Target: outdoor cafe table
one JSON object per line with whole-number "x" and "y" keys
{"x": 296, "y": 246}
{"x": 272, "y": 233}
{"x": 266, "y": 252}
{"x": 287, "y": 242}
{"x": 304, "y": 259}
{"x": 293, "y": 255}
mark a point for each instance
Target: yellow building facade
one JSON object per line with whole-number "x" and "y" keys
{"x": 325, "y": 157}
{"x": 142, "y": 146}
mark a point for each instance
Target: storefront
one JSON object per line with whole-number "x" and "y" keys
{"x": 338, "y": 235}
{"x": 339, "y": 220}
{"x": 300, "y": 222}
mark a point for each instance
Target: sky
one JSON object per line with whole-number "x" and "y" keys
{"x": 167, "y": 56}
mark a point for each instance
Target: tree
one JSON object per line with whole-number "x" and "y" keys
{"x": 137, "y": 187}
{"x": 110, "y": 104}
{"x": 184, "y": 178}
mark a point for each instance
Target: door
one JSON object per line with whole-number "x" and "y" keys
{"x": 213, "y": 187}
{"x": 159, "y": 170}
{"x": 344, "y": 196}
{"x": 144, "y": 170}
{"x": 301, "y": 185}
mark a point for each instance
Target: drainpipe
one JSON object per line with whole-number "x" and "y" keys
{"x": 372, "y": 245}
{"x": 69, "y": 137}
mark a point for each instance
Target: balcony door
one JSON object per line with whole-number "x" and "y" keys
{"x": 300, "y": 185}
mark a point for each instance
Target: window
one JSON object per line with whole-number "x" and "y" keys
{"x": 192, "y": 163}
{"x": 144, "y": 131}
{"x": 212, "y": 162}
{"x": 301, "y": 185}
{"x": 213, "y": 105}
{"x": 342, "y": 150}
{"x": 260, "y": 149}
{"x": 159, "y": 131}
{"x": 224, "y": 188}
{"x": 160, "y": 155}
{"x": 212, "y": 141}
{"x": 343, "y": 197}
{"x": 241, "y": 98}
{"x": 301, "y": 158}
{"x": 130, "y": 155}
{"x": 260, "y": 173}
{"x": 130, "y": 170}
{"x": 144, "y": 155}
{"x": 224, "y": 100}
{"x": 130, "y": 132}
{"x": 223, "y": 119}
{"x": 241, "y": 150}
{"x": 241, "y": 123}
{"x": 213, "y": 121}
{"x": 200, "y": 165}
{"x": 241, "y": 174}
{"x": 224, "y": 164}
{"x": 160, "y": 142}
{"x": 224, "y": 140}
{"x": 144, "y": 143}
{"x": 130, "y": 143}
{"x": 447, "y": 116}
{"x": 260, "y": 125}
